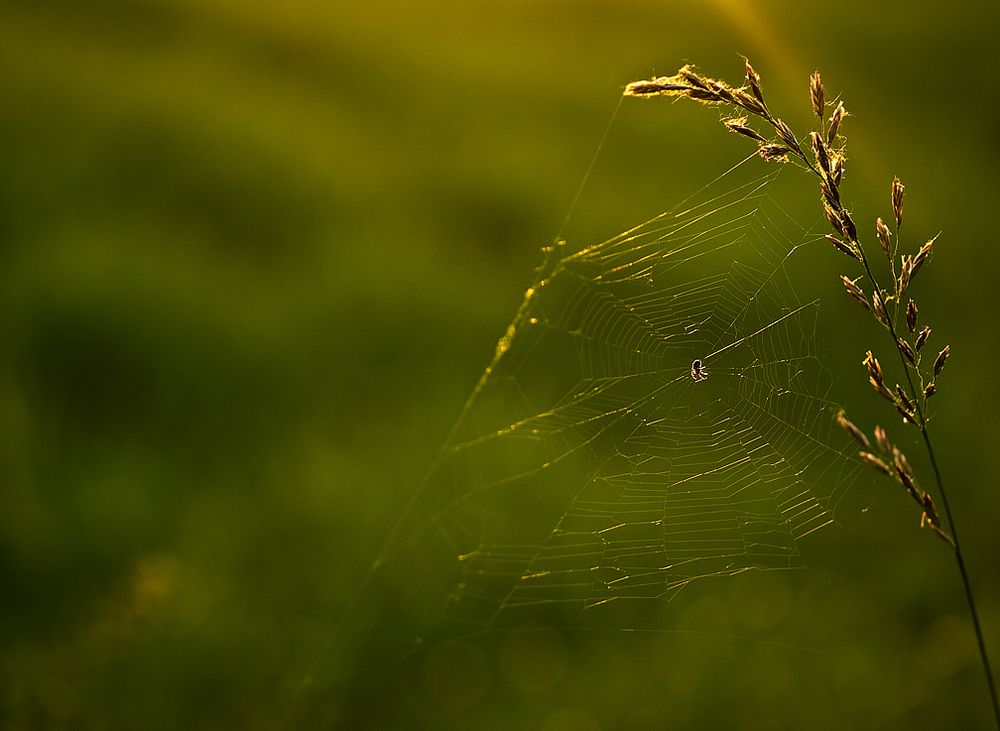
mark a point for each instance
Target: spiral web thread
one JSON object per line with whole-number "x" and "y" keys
{"x": 591, "y": 468}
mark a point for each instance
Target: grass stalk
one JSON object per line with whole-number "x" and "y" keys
{"x": 828, "y": 165}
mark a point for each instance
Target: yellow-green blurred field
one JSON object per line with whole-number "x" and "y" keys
{"x": 255, "y": 256}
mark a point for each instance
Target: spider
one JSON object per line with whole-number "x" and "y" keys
{"x": 698, "y": 370}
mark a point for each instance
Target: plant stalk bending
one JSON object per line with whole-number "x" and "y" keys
{"x": 827, "y": 164}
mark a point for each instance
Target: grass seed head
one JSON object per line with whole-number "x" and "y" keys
{"x": 704, "y": 95}
{"x": 753, "y": 80}
{"x": 685, "y": 82}
{"x": 920, "y": 257}
{"x": 830, "y": 193}
{"x": 816, "y": 93}
{"x": 903, "y": 398}
{"x": 940, "y": 360}
{"x": 835, "y": 119}
{"x": 931, "y": 519}
{"x": 850, "y": 230}
{"x": 662, "y": 86}
{"x": 907, "y": 350}
{"x": 875, "y": 463}
{"x": 830, "y": 167}
{"x": 905, "y": 273}
{"x": 833, "y": 218}
{"x": 897, "y": 200}
{"x": 786, "y": 135}
{"x": 689, "y": 75}
{"x": 903, "y": 469}
{"x": 908, "y": 483}
{"x": 874, "y": 367}
{"x": 749, "y": 102}
{"x": 739, "y": 126}
{"x": 883, "y": 236}
{"x": 852, "y": 429}
{"x": 879, "y": 309}
{"x": 820, "y": 152}
{"x": 836, "y": 168}
{"x": 722, "y": 91}
{"x": 773, "y": 152}
{"x": 843, "y": 248}
{"x": 851, "y": 285}
{"x": 881, "y": 390}
{"x": 911, "y": 315}
{"x": 882, "y": 439}
{"x": 925, "y": 333}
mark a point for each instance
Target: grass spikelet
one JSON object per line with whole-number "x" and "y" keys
{"x": 816, "y": 93}
{"x": 851, "y": 285}
{"x": 884, "y": 236}
{"x": 820, "y": 152}
{"x": 882, "y": 439}
{"x": 843, "y": 248}
{"x": 897, "y": 201}
{"x": 925, "y": 333}
{"x": 904, "y": 473}
{"x": 660, "y": 86}
{"x": 907, "y": 351}
{"x": 940, "y": 360}
{"x": 753, "y": 80}
{"x": 904, "y": 399}
{"x": 874, "y": 367}
{"x": 739, "y": 126}
{"x": 849, "y": 228}
{"x": 688, "y": 73}
{"x": 830, "y": 193}
{"x": 836, "y": 168}
{"x": 787, "y": 136}
{"x": 835, "y": 119}
{"x": 774, "y": 153}
{"x": 911, "y": 316}
{"x": 905, "y": 274}
{"x": 833, "y": 218}
{"x": 878, "y": 307}
{"x": 875, "y": 463}
{"x": 852, "y": 429}
{"x": 882, "y": 390}
{"x": 917, "y": 261}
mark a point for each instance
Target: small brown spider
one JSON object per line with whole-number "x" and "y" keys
{"x": 698, "y": 370}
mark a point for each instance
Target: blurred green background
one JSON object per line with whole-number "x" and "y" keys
{"x": 255, "y": 257}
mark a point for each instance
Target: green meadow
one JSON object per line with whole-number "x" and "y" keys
{"x": 254, "y": 259}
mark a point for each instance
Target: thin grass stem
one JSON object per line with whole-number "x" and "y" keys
{"x": 687, "y": 82}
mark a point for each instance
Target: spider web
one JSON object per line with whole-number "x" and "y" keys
{"x": 590, "y": 471}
